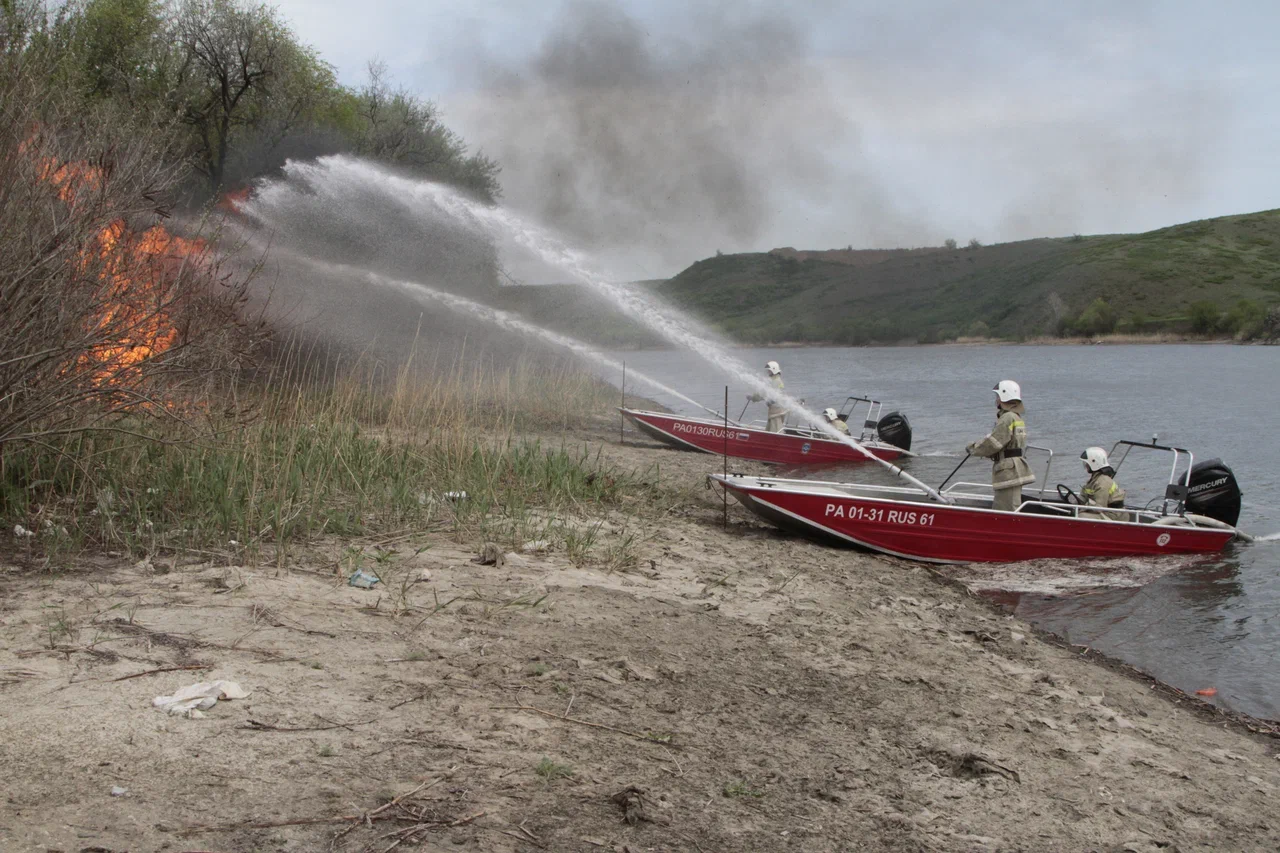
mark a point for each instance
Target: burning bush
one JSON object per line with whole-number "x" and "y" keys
{"x": 106, "y": 312}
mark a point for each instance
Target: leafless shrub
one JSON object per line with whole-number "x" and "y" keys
{"x": 105, "y": 311}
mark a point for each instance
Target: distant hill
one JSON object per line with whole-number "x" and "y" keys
{"x": 1212, "y": 277}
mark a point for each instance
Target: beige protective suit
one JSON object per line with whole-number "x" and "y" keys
{"x": 777, "y": 414}
{"x": 840, "y": 426}
{"x": 1005, "y": 446}
{"x": 1102, "y": 490}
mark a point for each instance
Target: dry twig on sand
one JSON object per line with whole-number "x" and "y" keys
{"x": 367, "y": 818}
{"x": 411, "y": 833}
{"x": 164, "y": 669}
{"x": 258, "y": 726}
{"x": 567, "y": 719}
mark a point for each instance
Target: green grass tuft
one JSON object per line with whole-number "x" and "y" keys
{"x": 550, "y": 770}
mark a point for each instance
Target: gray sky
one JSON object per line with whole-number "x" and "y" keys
{"x": 654, "y": 133}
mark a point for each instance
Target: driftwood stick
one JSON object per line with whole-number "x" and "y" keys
{"x": 164, "y": 669}
{"x": 376, "y": 814}
{"x": 425, "y": 786}
{"x": 369, "y": 817}
{"x": 257, "y": 726}
{"x": 410, "y": 833}
{"x": 568, "y": 719}
{"x": 417, "y": 698}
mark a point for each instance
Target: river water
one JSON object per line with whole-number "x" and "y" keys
{"x": 1193, "y": 623}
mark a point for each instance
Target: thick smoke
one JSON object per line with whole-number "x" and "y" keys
{"x": 822, "y": 125}
{"x": 655, "y": 152}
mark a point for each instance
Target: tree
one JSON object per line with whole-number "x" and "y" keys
{"x": 949, "y": 243}
{"x": 238, "y": 71}
{"x": 113, "y": 47}
{"x": 1203, "y": 316}
{"x": 1270, "y": 331}
{"x": 1097, "y": 319}
{"x": 1245, "y": 319}
{"x": 979, "y": 329}
{"x": 228, "y": 83}
{"x": 401, "y": 128}
{"x": 974, "y": 244}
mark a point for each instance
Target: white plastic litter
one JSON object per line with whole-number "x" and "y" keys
{"x": 192, "y": 700}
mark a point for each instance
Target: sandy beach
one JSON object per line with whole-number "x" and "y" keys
{"x": 683, "y": 687}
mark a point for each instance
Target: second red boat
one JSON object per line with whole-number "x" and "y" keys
{"x": 792, "y": 446}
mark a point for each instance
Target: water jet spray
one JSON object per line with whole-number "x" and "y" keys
{"x": 337, "y": 177}
{"x": 495, "y": 316}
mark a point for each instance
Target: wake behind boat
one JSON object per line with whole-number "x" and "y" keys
{"x": 887, "y": 437}
{"x": 1197, "y": 514}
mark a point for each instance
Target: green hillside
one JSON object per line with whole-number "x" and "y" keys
{"x": 1212, "y": 277}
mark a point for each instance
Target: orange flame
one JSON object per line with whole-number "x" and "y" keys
{"x": 232, "y": 200}
{"x": 137, "y": 271}
{"x": 71, "y": 179}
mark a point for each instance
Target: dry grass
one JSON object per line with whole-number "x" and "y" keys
{"x": 346, "y": 456}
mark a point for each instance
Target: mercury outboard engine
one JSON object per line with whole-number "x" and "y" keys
{"x": 1213, "y": 492}
{"x": 895, "y": 429}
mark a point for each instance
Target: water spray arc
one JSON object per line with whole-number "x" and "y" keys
{"x": 339, "y": 177}
{"x": 513, "y": 323}
{"x": 495, "y": 316}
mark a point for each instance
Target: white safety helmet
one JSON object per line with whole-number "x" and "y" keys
{"x": 1095, "y": 459}
{"x": 1007, "y": 391}
{"x": 830, "y": 413}
{"x": 773, "y": 368}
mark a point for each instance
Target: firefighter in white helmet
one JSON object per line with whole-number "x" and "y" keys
{"x": 1102, "y": 489}
{"x": 834, "y": 419}
{"x": 1006, "y": 446}
{"x": 777, "y": 413}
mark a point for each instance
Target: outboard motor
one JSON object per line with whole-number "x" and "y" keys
{"x": 895, "y": 429}
{"x": 1213, "y": 492}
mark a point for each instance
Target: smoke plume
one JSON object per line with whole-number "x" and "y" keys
{"x": 819, "y": 125}
{"x": 657, "y": 152}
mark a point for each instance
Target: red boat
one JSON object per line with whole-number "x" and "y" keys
{"x": 792, "y": 446}
{"x": 1197, "y": 515}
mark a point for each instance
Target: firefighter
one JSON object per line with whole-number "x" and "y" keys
{"x": 1006, "y": 446}
{"x": 834, "y": 420}
{"x": 1102, "y": 489}
{"x": 777, "y": 413}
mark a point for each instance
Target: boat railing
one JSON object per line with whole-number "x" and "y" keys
{"x": 872, "y": 419}
{"x": 1048, "y": 465}
{"x": 981, "y": 487}
{"x": 1044, "y": 484}
{"x": 1175, "y": 492}
{"x": 1084, "y": 511}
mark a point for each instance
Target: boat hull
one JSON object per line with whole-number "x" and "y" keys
{"x": 941, "y": 533}
{"x": 743, "y": 442}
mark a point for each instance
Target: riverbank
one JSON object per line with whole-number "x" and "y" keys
{"x": 652, "y": 681}
{"x": 1103, "y": 340}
